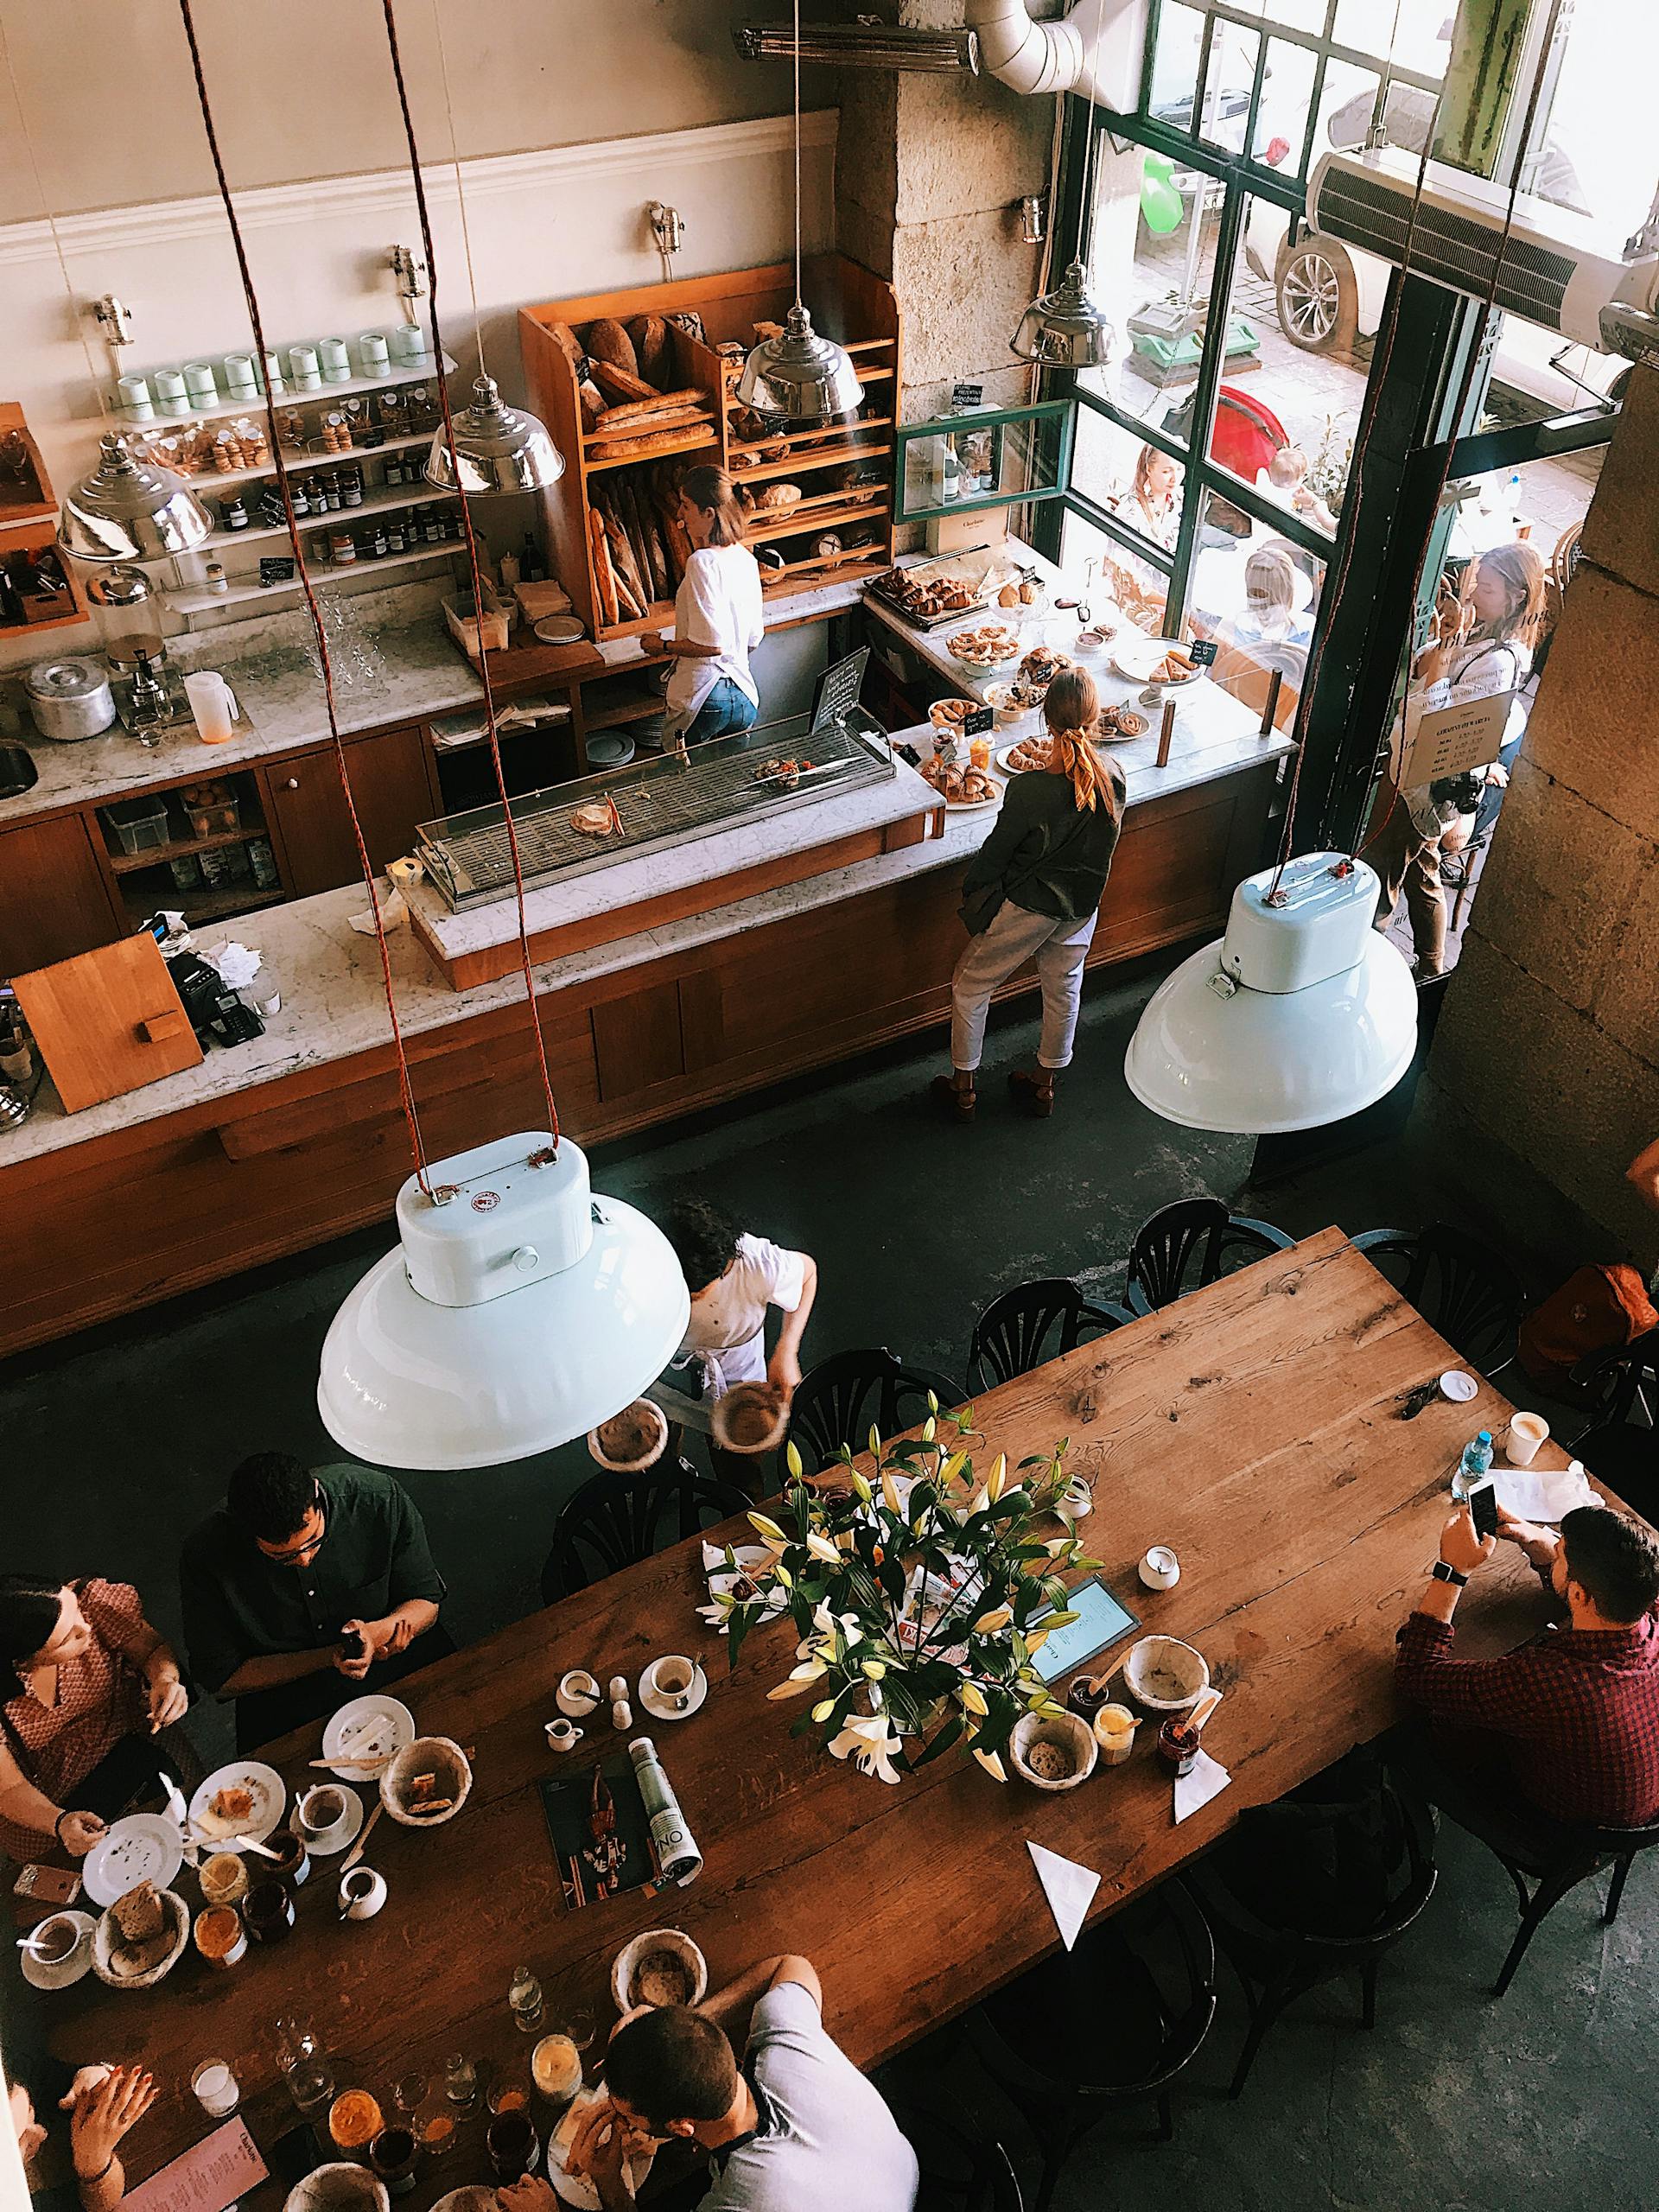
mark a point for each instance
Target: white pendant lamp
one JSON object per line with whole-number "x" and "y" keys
{"x": 518, "y": 1310}
{"x": 1301, "y": 1014}
{"x": 498, "y": 448}
{"x": 131, "y": 509}
{"x": 1066, "y": 328}
{"x": 798, "y": 376}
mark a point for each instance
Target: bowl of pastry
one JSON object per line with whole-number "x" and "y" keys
{"x": 427, "y": 1783}
{"x": 661, "y": 1966}
{"x": 989, "y": 644}
{"x": 140, "y": 1937}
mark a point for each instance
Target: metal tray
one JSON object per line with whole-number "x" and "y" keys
{"x": 987, "y": 568}
{"x": 664, "y": 801}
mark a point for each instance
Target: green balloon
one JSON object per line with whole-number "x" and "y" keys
{"x": 1161, "y": 205}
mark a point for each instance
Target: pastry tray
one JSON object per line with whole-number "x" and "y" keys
{"x": 987, "y": 568}
{"x": 664, "y": 801}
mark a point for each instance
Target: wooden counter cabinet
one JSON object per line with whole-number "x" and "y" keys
{"x": 393, "y": 789}
{"x": 57, "y": 897}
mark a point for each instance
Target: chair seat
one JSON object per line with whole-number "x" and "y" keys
{"x": 1103, "y": 2018}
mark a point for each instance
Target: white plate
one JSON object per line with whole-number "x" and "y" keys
{"x": 571, "y": 2189}
{"x": 1000, "y": 760}
{"x": 656, "y": 1704}
{"x": 143, "y": 1848}
{"x": 371, "y": 1727}
{"x": 471, "y": 2196}
{"x": 39, "y": 1975}
{"x": 559, "y": 630}
{"x": 972, "y": 806}
{"x": 351, "y": 1826}
{"x": 269, "y": 1795}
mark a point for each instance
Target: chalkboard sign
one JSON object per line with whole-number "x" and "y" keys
{"x": 978, "y": 722}
{"x": 965, "y": 397}
{"x": 276, "y": 569}
{"x": 1202, "y": 651}
{"x": 838, "y": 689}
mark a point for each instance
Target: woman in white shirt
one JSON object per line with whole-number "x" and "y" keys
{"x": 732, "y": 1278}
{"x": 718, "y": 617}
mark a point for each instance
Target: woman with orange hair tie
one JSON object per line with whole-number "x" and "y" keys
{"x": 1034, "y": 892}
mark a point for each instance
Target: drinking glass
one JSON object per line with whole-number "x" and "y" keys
{"x": 512, "y": 2145}
{"x": 581, "y": 2026}
{"x": 410, "y": 2094}
{"x": 307, "y": 2067}
{"x": 460, "y": 2083}
{"x": 509, "y": 2091}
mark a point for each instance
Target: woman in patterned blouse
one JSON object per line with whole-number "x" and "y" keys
{"x": 95, "y": 1684}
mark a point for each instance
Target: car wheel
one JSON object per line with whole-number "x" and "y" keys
{"x": 1316, "y": 294}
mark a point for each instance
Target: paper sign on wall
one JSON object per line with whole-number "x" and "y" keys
{"x": 1445, "y": 741}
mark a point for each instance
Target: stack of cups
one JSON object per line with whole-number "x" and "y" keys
{"x": 1114, "y": 1727}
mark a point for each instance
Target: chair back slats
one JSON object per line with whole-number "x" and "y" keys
{"x": 615, "y": 1520}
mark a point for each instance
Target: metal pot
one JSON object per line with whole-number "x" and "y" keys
{"x": 70, "y": 697}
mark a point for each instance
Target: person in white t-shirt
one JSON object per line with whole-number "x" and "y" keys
{"x": 719, "y": 617}
{"x": 732, "y": 1278}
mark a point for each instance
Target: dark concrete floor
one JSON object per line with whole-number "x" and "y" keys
{"x": 115, "y": 1443}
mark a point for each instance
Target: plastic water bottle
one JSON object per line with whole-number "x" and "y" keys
{"x": 1474, "y": 1466}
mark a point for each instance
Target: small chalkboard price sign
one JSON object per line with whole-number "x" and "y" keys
{"x": 838, "y": 689}
{"x": 977, "y": 723}
{"x": 1202, "y": 651}
{"x": 276, "y": 569}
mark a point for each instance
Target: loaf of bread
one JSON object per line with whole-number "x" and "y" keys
{"x": 653, "y": 349}
{"x": 617, "y": 382}
{"x": 138, "y": 1915}
{"x": 604, "y": 579}
{"x": 773, "y": 496}
{"x": 568, "y": 344}
{"x": 606, "y": 341}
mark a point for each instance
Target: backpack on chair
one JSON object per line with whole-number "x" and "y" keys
{"x": 1596, "y": 1309}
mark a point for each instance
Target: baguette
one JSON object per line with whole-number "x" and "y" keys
{"x": 657, "y": 422}
{"x": 648, "y": 448}
{"x": 610, "y": 346}
{"x": 624, "y": 567}
{"x": 618, "y": 381}
{"x": 604, "y": 579}
{"x": 628, "y": 514}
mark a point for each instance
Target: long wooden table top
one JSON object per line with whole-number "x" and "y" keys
{"x": 1252, "y": 1426}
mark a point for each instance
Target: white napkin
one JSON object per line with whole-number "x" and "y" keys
{"x": 1069, "y": 1888}
{"x": 1542, "y": 1493}
{"x": 394, "y": 915}
{"x": 1194, "y": 1790}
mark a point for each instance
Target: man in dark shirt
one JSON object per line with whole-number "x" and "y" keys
{"x": 300, "y": 1579}
{"x": 1568, "y": 1726}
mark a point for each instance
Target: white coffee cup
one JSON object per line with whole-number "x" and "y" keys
{"x": 1527, "y": 1433}
{"x": 322, "y": 1811}
{"x": 1160, "y": 1569}
{"x": 212, "y": 705}
{"x": 362, "y": 1893}
{"x": 674, "y": 1678}
{"x": 579, "y": 1693}
{"x": 561, "y": 1735}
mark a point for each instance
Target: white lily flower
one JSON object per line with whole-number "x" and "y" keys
{"x": 870, "y": 1741}
{"x": 821, "y": 1547}
{"x": 768, "y": 1529}
{"x": 991, "y": 1761}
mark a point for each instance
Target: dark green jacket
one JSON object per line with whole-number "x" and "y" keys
{"x": 1043, "y": 854}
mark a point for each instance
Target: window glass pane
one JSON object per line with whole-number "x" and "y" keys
{"x": 1228, "y": 84}
{"x": 1415, "y": 41}
{"x": 1598, "y": 146}
{"x": 1256, "y": 595}
{"x": 1098, "y": 563}
{"x": 1298, "y": 15}
{"x": 1537, "y": 373}
{"x": 1539, "y": 504}
{"x": 1287, "y": 97}
{"x": 1143, "y": 488}
{"x": 1152, "y": 257}
{"x": 1285, "y": 416}
{"x": 1175, "y": 64}
{"x": 1345, "y": 106}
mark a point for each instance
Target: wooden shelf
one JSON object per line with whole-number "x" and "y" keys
{"x": 253, "y": 406}
{"x": 632, "y": 707}
{"x": 769, "y": 471}
{"x": 851, "y": 571}
{"x": 205, "y": 480}
{"x": 793, "y": 522}
{"x": 203, "y": 602}
{"x": 43, "y": 509}
{"x": 812, "y": 441}
{"x": 33, "y": 537}
{"x": 205, "y": 905}
{"x": 180, "y": 849}
{"x": 372, "y": 503}
{"x": 690, "y": 443}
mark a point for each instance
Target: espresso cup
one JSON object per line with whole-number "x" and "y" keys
{"x": 321, "y": 1810}
{"x": 674, "y": 1678}
{"x": 362, "y": 1893}
{"x": 561, "y": 1735}
{"x": 56, "y": 1940}
{"x": 1527, "y": 1433}
{"x": 1160, "y": 1569}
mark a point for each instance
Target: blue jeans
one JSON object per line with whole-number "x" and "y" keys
{"x": 727, "y": 709}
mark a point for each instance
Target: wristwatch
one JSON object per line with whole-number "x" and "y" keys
{"x": 1442, "y": 1573}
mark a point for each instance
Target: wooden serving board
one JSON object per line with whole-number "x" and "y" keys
{"x": 108, "y": 1021}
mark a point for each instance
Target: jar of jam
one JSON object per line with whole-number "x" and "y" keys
{"x": 1178, "y": 1745}
{"x": 395, "y": 534}
{"x": 343, "y": 547}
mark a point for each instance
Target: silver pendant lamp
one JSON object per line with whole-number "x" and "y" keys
{"x": 799, "y": 375}
{"x": 1066, "y": 328}
{"x": 131, "y": 509}
{"x": 498, "y": 448}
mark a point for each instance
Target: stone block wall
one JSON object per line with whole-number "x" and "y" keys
{"x": 1543, "y": 1081}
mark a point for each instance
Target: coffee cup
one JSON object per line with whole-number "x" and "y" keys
{"x": 321, "y": 1810}
{"x": 579, "y": 1694}
{"x": 1160, "y": 1569}
{"x": 362, "y": 1893}
{"x": 561, "y": 1735}
{"x": 56, "y": 1940}
{"x": 673, "y": 1679}
{"x": 1527, "y": 1433}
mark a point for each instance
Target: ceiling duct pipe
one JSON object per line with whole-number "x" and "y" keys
{"x": 1063, "y": 56}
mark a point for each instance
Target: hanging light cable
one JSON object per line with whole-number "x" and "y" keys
{"x": 1066, "y": 328}
{"x": 799, "y": 376}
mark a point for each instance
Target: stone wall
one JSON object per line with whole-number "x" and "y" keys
{"x": 1543, "y": 1081}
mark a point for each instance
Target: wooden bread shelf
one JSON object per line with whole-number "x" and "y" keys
{"x": 766, "y": 471}
{"x": 32, "y": 538}
{"x": 811, "y": 514}
{"x": 693, "y": 442}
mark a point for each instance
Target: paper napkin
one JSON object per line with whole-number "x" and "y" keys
{"x": 1069, "y": 1888}
{"x": 1194, "y": 1790}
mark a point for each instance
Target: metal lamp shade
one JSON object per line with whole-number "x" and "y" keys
{"x": 1065, "y": 330}
{"x": 498, "y": 448}
{"x": 799, "y": 376}
{"x": 131, "y": 509}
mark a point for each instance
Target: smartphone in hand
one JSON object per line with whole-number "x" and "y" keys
{"x": 1483, "y": 1508}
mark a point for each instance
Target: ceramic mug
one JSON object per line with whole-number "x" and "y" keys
{"x": 673, "y": 1679}
{"x": 561, "y": 1735}
{"x": 579, "y": 1694}
{"x": 321, "y": 1811}
{"x": 362, "y": 1893}
{"x": 1160, "y": 1569}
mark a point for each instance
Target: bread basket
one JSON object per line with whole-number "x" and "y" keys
{"x": 433, "y": 1755}
{"x": 1071, "y": 1737}
{"x": 658, "y": 1939}
{"x": 1166, "y": 1675}
{"x": 340, "y": 2186}
{"x": 105, "y": 1932}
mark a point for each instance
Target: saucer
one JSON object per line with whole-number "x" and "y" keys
{"x": 336, "y": 1838}
{"x": 39, "y": 1975}
{"x": 657, "y": 1705}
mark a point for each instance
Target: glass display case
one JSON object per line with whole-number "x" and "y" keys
{"x": 994, "y": 457}
{"x": 572, "y": 828}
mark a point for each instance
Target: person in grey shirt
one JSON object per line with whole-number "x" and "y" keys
{"x": 797, "y": 2129}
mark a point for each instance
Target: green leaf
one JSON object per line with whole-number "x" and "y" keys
{"x": 939, "y": 1743}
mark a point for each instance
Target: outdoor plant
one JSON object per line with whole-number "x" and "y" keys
{"x": 916, "y": 1595}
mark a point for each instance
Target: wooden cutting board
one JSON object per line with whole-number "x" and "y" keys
{"x": 108, "y": 1021}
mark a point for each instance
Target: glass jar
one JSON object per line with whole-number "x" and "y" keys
{"x": 128, "y": 615}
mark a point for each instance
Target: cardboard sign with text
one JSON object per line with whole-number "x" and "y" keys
{"x": 1445, "y": 741}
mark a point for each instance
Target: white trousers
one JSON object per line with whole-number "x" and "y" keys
{"x": 1014, "y": 937}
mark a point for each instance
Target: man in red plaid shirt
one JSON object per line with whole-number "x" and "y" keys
{"x": 1571, "y": 1720}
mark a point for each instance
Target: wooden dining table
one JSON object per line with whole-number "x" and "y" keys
{"x": 1255, "y": 1427}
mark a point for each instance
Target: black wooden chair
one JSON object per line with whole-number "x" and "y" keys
{"x": 1122, "y": 2016}
{"x": 615, "y": 1520}
{"x": 1458, "y": 1284}
{"x": 1192, "y": 1242}
{"x": 1013, "y": 1334}
{"x": 1543, "y": 1878}
{"x": 1283, "y": 1957}
{"x": 964, "y": 2164}
{"x": 1621, "y": 1442}
{"x": 843, "y": 1397}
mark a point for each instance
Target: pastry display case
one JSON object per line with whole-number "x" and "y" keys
{"x": 993, "y": 457}
{"x": 574, "y": 829}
